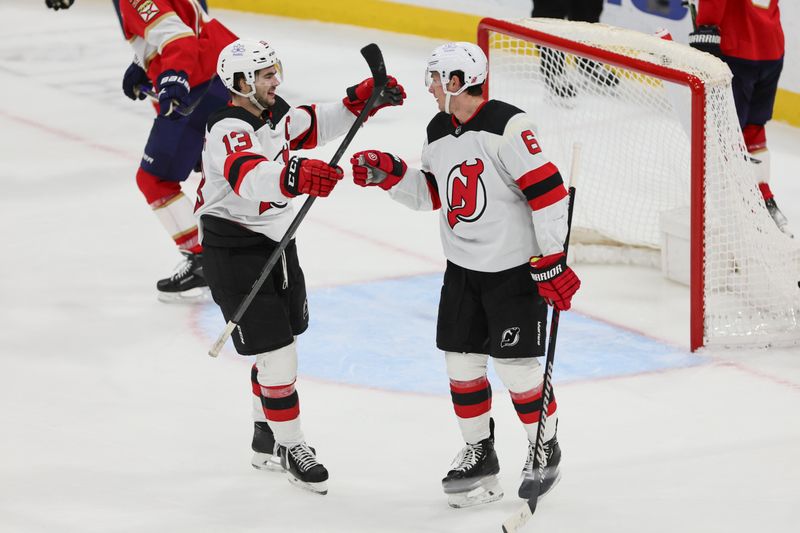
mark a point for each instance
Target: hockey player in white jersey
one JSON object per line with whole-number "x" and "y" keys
{"x": 503, "y": 224}
{"x": 244, "y": 208}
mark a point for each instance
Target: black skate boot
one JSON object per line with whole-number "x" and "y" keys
{"x": 187, "y": 283}
{"x": 300, "y": 463}
{"x": 264, "y": 456}
{"x": 597, "y": 72}
{"x": 473, "y": 478}
{"x": 778, "y": 216}
{"x": 552, "y": 472}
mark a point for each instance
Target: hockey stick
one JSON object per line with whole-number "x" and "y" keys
{"x": 372, "y": 54}
{"x": 521, "y": 517}
{"x": 182, "y": 111}
{"x": 692, "y": 12}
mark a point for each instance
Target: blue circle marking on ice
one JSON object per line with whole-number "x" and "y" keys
{"x": 382, "y": 334}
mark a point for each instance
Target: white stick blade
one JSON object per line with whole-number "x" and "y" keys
{"x": 515, "y": 522}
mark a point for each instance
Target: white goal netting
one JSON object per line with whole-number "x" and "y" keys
{"x": 635, "y": 130}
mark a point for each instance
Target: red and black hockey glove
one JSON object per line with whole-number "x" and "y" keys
{"x": 134, "y": 78}
{"x": 59, "y": 4}
{"x": 555, "y": 280}
{"x": 706, "y": 39}
{"x": 373, "y": 167}
{"x": 357, "y": 96}
{"x": 173, "y": 90}
{"x": 309, "y": 176}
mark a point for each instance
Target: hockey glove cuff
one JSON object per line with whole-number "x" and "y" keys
{"x": 556, "y": 282}
{"x": 309, "y": 176}
{"x": 173, "y": 90}
{"x": 373, "y": 167}
{"x": 357, "y": 96}
{"x": 706, "y": 39}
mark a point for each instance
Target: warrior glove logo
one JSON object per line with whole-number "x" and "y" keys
{"x": 509, "y": 338}
{"x": 466, "y": 193}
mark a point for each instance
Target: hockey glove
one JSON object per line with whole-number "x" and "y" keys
{"x": 706, "y": 39}
{"x": 357, "y": 96}
{"x": 555, "y": 280}
{"x": 133, "y": 78}
{"x": 309, "y": 176}
{"x": 377, "y": 168}
{"x": 59, "y": 4}
{"x": 173, "y": 90}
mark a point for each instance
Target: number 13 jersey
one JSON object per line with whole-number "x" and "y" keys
{"x": 244, "y": 157}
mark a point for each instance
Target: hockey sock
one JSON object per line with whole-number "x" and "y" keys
{"x": 472, "y": 401}
{"x": 172, "y": 208}
{"x": 755, "y": 139}
{"x": 528, "y": 405}
{"x": 523, "y": 378}
{"x": 258, "y": 402}
{"x": 275, "y": 374}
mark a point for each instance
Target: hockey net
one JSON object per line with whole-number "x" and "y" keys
{"x": 659, "y": 134}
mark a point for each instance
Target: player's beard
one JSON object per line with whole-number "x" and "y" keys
{"x": 267, "y": 100}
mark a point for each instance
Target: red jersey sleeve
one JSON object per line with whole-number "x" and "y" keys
{"x": 171, "y": 40}
{"x": 749, "y": 29}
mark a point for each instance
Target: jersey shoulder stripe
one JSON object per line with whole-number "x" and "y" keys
{"x": 491, "y": 118}
{"x": 236, "y": 112}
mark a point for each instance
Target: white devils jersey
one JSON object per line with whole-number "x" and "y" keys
{"x": 501, "y": 200}
{"x": 244, "y": 156}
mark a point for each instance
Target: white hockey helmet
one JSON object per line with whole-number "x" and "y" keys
{"x": 246, "y": 56}
{"x": 463, "y": 56}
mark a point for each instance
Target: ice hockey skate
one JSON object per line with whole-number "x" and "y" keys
{"x": 777, "y": 215}
{"x": 473, "y": 478}
{"x": 264, "y": 456}
{"x": 552, "y": 470}
{"x": 303, "y": 469}
{"x": 186, "y": 284}
{"x": 597, "y": 72}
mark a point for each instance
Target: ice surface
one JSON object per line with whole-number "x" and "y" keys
{"x": 114, "y": 419}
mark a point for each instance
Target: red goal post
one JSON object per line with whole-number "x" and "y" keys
{"x": 659, "y": 121}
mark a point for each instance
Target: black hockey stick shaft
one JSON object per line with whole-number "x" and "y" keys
{"x": 692, "y": 12}
{"x": 526, "y": 513}
{"x": 372, "y": 54}
{"x": 547, "y": 384}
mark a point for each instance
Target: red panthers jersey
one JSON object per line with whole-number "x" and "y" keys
{"x": 750, "y": 29}
{"x": 174, "y": 34}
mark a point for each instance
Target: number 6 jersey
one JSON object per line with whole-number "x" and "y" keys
{"x": 502, "y": 201}
{"x": 243, "y": 158}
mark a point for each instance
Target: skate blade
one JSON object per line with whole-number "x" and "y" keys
{"x": 487, "y": 492}
{"x": 317, "y": 488}
{"x": 192, "y": 296}
{"x": 266, "y": 461}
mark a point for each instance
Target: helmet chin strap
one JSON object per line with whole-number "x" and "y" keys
{"x": 448, "y": 95}
{"x": 256, "y": 103}
{"x": 251, "y": 96}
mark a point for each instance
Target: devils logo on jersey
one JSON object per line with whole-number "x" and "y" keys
{"x": 466, "y": 193}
